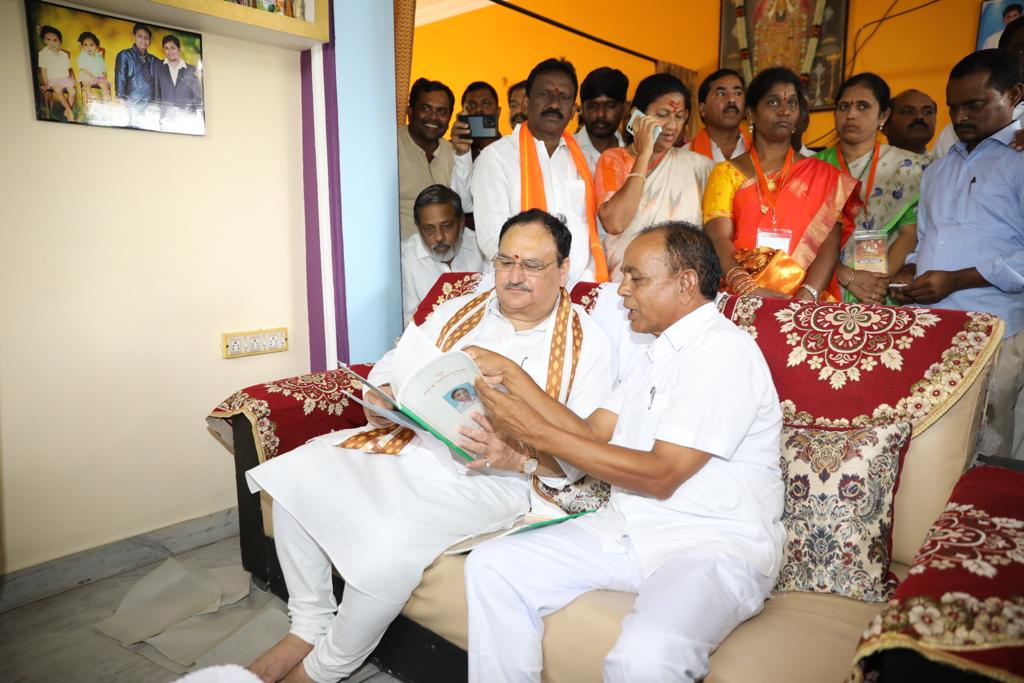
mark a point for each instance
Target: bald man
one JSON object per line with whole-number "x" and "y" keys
{"x": 911, "y": 126}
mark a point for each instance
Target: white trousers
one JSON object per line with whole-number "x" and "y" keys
{"x": 343, "y": 635}
{"x": 681, "y": 614}
{"x": 1003, "y": 434}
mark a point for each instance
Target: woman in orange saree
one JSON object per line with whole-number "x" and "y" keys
{"x": 776, "y": 218}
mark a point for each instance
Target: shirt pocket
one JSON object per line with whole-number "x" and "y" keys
{"x": 991, "y": 204}
{"x": 576, "y": 196}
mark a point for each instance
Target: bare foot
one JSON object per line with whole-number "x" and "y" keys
{"x": 298, "y": 675}
{"x": 274, "y": 664}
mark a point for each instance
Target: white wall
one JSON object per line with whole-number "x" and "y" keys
{"x": 123, "y": 255}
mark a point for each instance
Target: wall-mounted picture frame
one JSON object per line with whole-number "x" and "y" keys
{"x": 808, "y": 36}
{"x": 99, "y": 70}
{"x": 995, "y": 15}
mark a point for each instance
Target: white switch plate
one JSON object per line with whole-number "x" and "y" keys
{"x": 253, "y": 342}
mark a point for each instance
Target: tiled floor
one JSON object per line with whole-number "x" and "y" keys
{"x": 52, "y": 640}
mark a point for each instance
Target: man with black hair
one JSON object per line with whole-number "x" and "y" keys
{"x": 541, "y": 166}
{"x": 442, "y": 245}
{"x": 1011, "y": 12}
{"x": 689, "y": 442}
{"x": 478, "y": 99}
{"x": 381, "y": 503}
{"x": 720, "y": 104}
{"x": 970, "y": 229}
{"x": 177, "y": 83}
{"x": 602, "y": 100}
{"x": 135, "y": 68}
{"x": 517, "y": 103}
{"x": 425, "y": 157}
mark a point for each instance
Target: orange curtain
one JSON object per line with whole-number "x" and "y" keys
{"x": 689, "y": 79}
{"x": 405, "y": 27}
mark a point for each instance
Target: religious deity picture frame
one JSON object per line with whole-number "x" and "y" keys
{"x": 808, "y": 36}
{"x": 96, "y": 69}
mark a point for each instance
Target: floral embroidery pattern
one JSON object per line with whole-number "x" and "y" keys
{"x": 583, "y": 496}
{"x": 838, "y": 509}
{"x": 969, "y": 538}
{"x": 322, "y": 390}
{"x": 843, "y": 340}
{"x": 450, "y": 290}
{"x": 744, "y": 313}
{"x": 259, "y": 411}
{"x": 941, "y": 380}
{"x": 955, "y": 620}
{"x": 589, "y": 299}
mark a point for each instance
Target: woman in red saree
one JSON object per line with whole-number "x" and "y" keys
{"x": 776, "y": 218}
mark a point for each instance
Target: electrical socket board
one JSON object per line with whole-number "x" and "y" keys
{"x": 253, "y": 342}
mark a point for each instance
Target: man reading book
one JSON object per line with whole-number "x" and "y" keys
{"x": 690, "y": 443}
{"x": 381, "y": 503}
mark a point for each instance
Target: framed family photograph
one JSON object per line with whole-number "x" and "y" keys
{"x": 99, "y": 70}
{"x": 995, "y": 15}
{"x": 807, "y": 36}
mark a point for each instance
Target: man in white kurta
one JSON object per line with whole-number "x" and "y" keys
{"x": 690, "y": 444}
{"x": 497, "y": 183}
{"x": 382, "y": 519}
{"x": 441, "y": 245}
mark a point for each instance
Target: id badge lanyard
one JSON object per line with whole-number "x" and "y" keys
{"x": 774, "y": 237}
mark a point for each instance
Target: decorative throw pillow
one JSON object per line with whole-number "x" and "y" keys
{"x": 840, "y": 486}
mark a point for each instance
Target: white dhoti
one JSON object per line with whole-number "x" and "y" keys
{"x": 380, "y": 520}
{"x": 683, "y": 610}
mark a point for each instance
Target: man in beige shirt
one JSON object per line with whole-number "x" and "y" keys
{"x": 425, "y": 158}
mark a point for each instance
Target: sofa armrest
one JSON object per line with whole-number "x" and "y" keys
{"x": 286, "y": 413}
{"x": 962, "y": 603}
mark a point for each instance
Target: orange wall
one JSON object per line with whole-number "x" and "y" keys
{"x": 500, "y": 46}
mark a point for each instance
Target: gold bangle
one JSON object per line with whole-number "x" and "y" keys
{"x": 641, "y": 176}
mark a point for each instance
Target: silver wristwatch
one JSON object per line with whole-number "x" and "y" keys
{"x": 531, "y": 462}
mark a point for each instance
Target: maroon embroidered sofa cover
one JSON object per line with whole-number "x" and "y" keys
{"x": 834, "y": 365}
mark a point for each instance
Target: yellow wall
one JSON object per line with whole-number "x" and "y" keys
{"x": 123, "y": 255}
{"x": 500, "y": 46}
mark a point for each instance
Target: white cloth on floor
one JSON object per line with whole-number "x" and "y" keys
{"x": 229, "y": 673}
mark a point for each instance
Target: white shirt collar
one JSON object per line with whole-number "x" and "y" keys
{"x": 683, "y": 331}
{"x": 494, "y": 308}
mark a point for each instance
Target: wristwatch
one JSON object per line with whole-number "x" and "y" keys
{"x": 531, "y": 462}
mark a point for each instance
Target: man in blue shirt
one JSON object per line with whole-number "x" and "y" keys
{"x": 970, "y": 229}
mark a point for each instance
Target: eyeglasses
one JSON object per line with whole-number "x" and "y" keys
{"x": 530, "y": 267}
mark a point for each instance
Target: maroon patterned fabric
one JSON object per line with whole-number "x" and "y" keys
{"x": 962, "y": 602}
{"x": 851, "y": 364}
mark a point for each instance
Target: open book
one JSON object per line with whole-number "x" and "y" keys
{"x": 525, "y": 523}
{"x": 433, "y": 390}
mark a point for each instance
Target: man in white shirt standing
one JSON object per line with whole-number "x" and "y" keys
{"x": 442, "y": 245}
{"x": 689, "y": 442}
{"x": 541, "y": 166}
{"x": 720, "y": 104}
{"x": 424, "y": 156}
{"x": 602, "y": 100}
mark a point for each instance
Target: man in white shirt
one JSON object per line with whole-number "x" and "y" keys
{"x": 602, "y": 100}
{"x": 1010, "y": 12}
{"x": 424, "y": 156}
{"x": 558, "y": 178}
{"x": 442, "y": 245}
{"x": 381, "y": 517}
{"x": 720, "y": 104}
{"x": 690, "y": 443}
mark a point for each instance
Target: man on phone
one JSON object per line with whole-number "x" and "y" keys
{"x": 603, "y": 100}
{"x": 970, "y": 230}
{"x": 380, "y": 503}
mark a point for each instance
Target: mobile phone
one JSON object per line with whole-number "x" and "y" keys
{"x": 898, "y": 285}
{"x": 634, "y": 115}
{"x": 481, "y": 125}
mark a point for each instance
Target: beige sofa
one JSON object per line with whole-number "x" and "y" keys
{"x": 797, "y": 637}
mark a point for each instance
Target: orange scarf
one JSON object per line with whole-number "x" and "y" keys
{"x": 702, "y": 142}
{"x": 533, "y": 197}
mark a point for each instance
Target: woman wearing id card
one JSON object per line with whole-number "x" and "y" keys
{"x": 778, "y": 219}
{"x": 890, "y": 180}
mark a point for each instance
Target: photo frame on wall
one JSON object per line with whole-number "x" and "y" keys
{"x": 807, "y": 36}
{"x": 99, "y": 70}
{"x": 995, "y": 15}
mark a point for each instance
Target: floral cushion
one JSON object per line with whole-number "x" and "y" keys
{"x": 840, "y": 487}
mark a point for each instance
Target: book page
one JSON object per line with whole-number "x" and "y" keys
{"x": 442, "y": 395}
{"x": 413, "y": 350}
